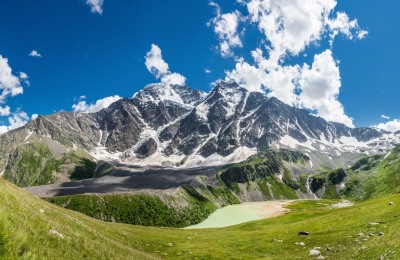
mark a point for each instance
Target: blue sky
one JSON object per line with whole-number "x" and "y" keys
{"x": 97, "y": 55}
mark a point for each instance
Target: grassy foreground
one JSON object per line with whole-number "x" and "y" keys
{"x": 24, "y": 233}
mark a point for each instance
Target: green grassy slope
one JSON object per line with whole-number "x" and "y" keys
{"x": 371, "y": 177}
{"x": 141, "y": 209}
{"x": 24, "y": 233}
{"x": 384, "y": 178}
{"x": 263, "y": 169}
{"x": 34, "y": 164}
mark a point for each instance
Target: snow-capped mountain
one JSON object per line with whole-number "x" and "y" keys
{"x": 178, "y": 126}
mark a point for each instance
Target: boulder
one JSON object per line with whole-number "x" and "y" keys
{"x": 314, "y": 252}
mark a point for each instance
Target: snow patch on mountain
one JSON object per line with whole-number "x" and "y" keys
{"x": 294, "y": 144}
{"x": 160, "y": 92}
{"x": 231, "y": 97}
{"x": 240, "y": 154}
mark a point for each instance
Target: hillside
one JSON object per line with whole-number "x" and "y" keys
{"x": 369, "y": 177}
{"x": 369, "y": 230}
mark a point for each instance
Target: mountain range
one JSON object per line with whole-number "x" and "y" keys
{"x": 176, "y": 126}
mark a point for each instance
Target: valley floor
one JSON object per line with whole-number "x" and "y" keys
{"x": 126, "y": 179}
{"x": 32, "y": 228}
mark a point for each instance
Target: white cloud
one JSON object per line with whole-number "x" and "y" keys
{"x": 385, "y": 117}
{"x": 320, "y": 87}
{"x": 5, "y": 111}
{"x": 157, "y": 66}
{"x": 96, "y": 6}
{"x": 362, "y": 34}
{"x": 25, "y": 78}
{"x": 292, "y": 25}
{"x": 10, "y": 84}
{"x": 173, "y": 79}
{"x": 207, "y": 71}
{"x": 100, "y": 104}
{"x": 34, "y": 116}
{"x": 226, "y": 28}
{"x": 155, "y": 63}
{"x": 391, "y": 126}
{"x": 247, "y": 76}
{"x": 16, "y": 120}
{"x": 23, "y": 75}
{"x": 35, "y": 54}
{"x": 343, "y": 24}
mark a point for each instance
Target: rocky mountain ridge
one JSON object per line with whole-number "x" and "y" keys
{"x": 178, "y": 126}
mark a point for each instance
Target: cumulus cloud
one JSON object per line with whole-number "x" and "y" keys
{"x": 25, "y": 78}
{"x": 320, "y": 86}
{"x": 385, "y": 117}
{"x": 344, "y": 25}
{"x": 83, "y": 106}
{"x": 96, "y": 6}
{"x": 248, "y": 76}
{"x": 5, "y": 111}
{"x": 10, "y": 84}
{"x": 173, "y": 79}
{"x": 35, "y": 54}
{"x": 155, "y": 63}
{"x": 15, "y": 120}
{"x": 226, "y": 28}
{"x": 391, "y": 126}
{"x": 292, "y": 25}
{"x": 157, "y": 66}
{"x": 288, "y": 27}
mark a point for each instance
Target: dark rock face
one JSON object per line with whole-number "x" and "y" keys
{"x": 67, "y": 128}
{"x": 186, "y": 122}
{"x": 337, "y": 176}
{"x": 122, "y": 123}
{"x": 365, "y": 134}
{"x": 317, "y": 184}
{"x": 147, "y": 149}
{"x": 160, "y": 104}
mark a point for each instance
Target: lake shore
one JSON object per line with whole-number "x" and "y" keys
{"x": 242, "y": 213}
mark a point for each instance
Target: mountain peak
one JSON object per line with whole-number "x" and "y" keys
{"x": 161, "y": 92}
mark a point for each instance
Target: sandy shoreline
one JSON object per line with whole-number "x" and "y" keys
{"x": 270, "y": 209}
